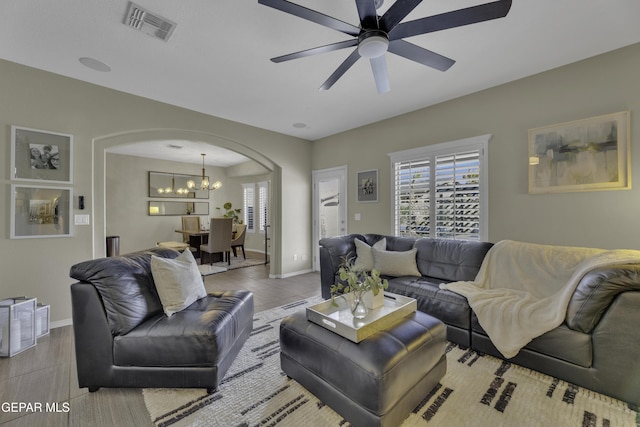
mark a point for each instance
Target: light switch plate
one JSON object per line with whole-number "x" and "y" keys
{"x": 81, "y": 219}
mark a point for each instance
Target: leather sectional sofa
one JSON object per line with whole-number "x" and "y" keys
{"x": 124, "y": 339}
{"x": 597, "y": 346}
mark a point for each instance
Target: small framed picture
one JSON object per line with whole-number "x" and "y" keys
{"x": 40, "y": 211}
{"x": 38, "y": 155}
{"x": 367, "y": 182}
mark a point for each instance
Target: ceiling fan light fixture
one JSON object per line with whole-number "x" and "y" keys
{"x": 373, "y": 34}
{"x": 373, "y": 44}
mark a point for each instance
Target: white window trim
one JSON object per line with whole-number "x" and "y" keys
{"x": 431, "y": 151}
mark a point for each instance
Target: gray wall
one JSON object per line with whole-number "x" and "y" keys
{"x": 597, "y": 86}
{"x": 127, "y": 197}
{"x": 100, "y": 118}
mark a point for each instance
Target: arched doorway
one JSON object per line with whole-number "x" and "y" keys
{"x": 103, "y": 143}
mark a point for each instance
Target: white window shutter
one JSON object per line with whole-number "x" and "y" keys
{"x": 440, "y": 191}
{"x": 263, "y": 205}
{"x": 248, "y": 191}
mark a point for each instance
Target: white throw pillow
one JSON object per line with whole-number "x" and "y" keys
{"x": 178, "y": 281}
{"x": 364, "y": 257}
{"x": 392, "y": 263}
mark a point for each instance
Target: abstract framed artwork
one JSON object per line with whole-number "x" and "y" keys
{"x": 40, "y": 211}
{"x": 583, "y": 155}
{"x": 367, "y": 182}
{"x": 38, "y": 155}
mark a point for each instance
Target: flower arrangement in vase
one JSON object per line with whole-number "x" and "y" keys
{"x": 358, "y": 283}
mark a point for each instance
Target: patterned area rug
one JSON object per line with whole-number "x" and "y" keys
{"x": 478, "y": 390}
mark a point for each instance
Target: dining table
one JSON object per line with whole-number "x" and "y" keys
{"x": 197, "y": 238}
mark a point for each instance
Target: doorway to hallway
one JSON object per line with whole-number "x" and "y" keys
{"x": 329, "y": 206}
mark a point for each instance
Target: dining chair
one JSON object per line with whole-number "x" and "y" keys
{"x": 190, "y": 223}
{"x": 238, "y": 242}
{"x": 220, "y": 236}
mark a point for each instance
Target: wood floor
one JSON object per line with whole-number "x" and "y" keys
{"x": 44, "y": 379}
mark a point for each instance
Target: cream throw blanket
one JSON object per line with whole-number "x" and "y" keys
{"x": 523, "y": 290}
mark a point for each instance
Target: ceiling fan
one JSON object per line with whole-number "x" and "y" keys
{"x": 377, "y": 35}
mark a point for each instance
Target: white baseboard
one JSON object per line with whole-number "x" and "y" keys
{"x": 295, "y": 273}
{"x": 61, "y": 323}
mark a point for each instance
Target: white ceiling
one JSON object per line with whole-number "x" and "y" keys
{"x": 217, "y": 60}
{"x": 190, "y": 152}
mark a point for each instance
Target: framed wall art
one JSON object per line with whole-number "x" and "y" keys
{"x": 367, "y": 182}
{"x": 40, "y": 211}
{"x": 583, "y": 155}
{"x": 38, "y": 155}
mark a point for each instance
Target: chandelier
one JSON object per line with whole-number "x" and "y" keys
{"x": 204, "y": 184}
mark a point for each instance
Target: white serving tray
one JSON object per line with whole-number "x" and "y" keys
{"x": 341, "y": 321}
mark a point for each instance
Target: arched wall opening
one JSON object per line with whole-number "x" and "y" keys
{"x": 103, "y": 143}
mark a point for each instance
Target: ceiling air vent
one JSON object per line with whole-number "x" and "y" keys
{"x": 149, "y": 23}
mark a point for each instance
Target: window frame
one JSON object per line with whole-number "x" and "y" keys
{"x": 430, "y": 153}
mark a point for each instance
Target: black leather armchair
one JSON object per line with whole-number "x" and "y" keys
{"x": 124, "y": 339}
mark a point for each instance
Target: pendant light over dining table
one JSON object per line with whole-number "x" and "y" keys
{"x": 204, "y": 184}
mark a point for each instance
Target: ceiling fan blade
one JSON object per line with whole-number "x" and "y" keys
{"x": 351, "y": 59}
{"x": 456, "y": 18}
{"x": 379, "y": 68}
{"x": 420, "y": 55}
{"x": 396, "y": 13}
{"x": 367, "y": 13}
{"x": 316, "y": 50}
{"x": 312, "y": 15}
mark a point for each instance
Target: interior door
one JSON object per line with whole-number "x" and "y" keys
{"x": 329, "y": 206}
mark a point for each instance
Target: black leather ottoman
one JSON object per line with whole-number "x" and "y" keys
{"x": 377, "y": 382}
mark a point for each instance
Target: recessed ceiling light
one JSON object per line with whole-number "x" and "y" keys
{"x": 299, "y": 125}
{"x": 94, "y": 64}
